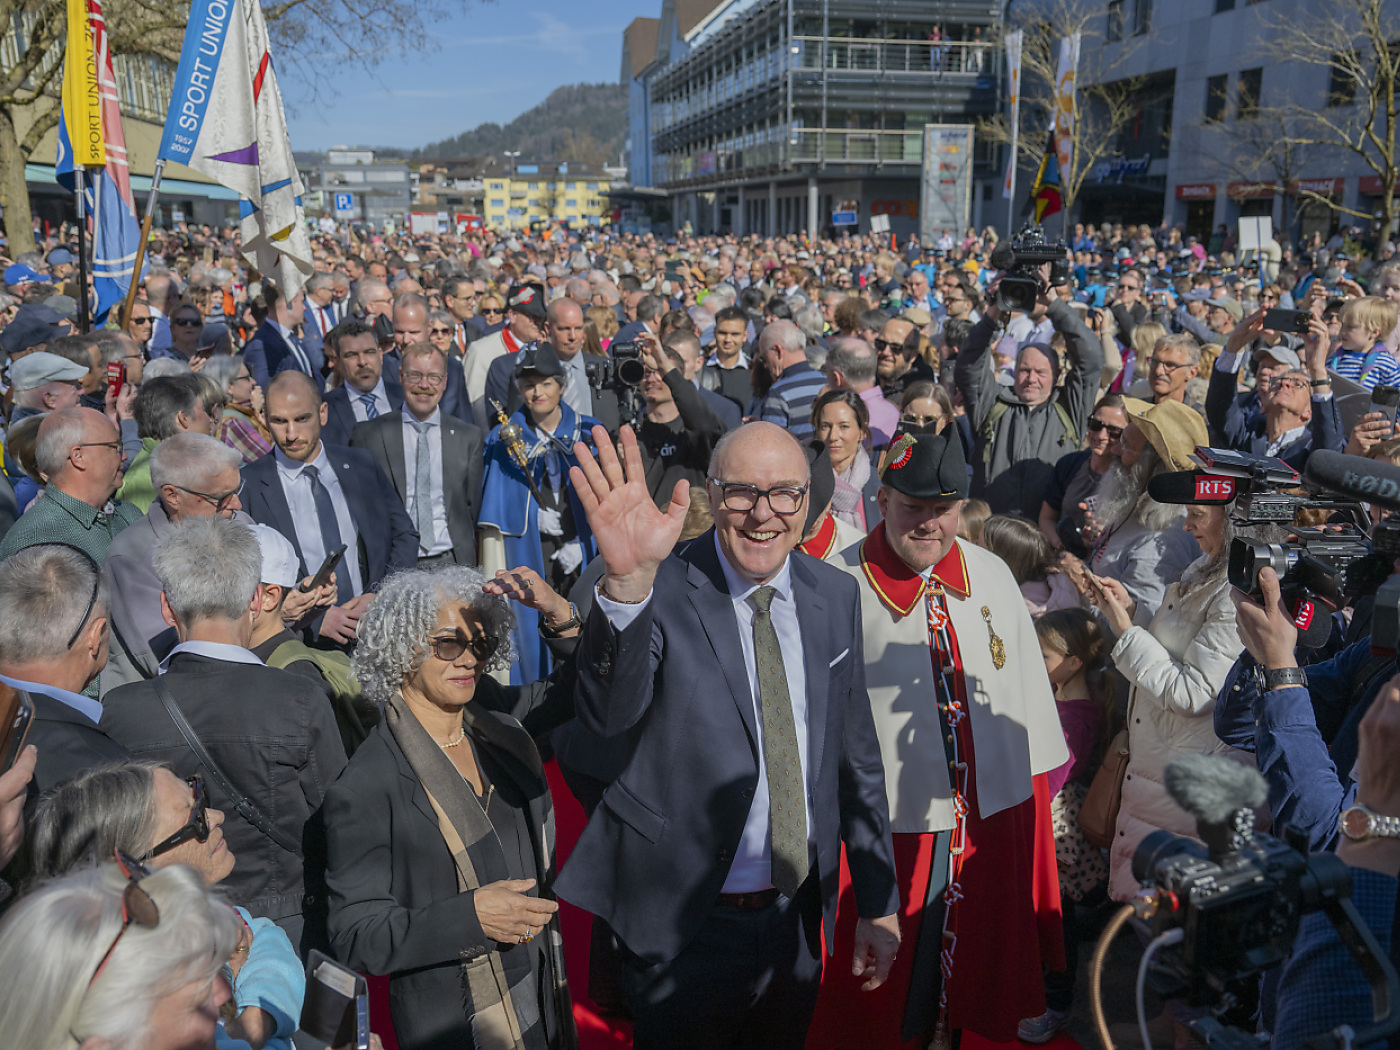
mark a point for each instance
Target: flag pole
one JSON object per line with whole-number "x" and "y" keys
{"x": 130, "y": 303}
{"x": 79, "y": 189}
{"x": 1011, "y": 202}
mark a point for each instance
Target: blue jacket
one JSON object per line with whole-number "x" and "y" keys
{"x": 1236, "y": 422}
{"x": 267, "y": 353}
{"x": 658, "y": 849}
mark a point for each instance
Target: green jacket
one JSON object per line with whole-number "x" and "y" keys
{"x": 136, "y": 486}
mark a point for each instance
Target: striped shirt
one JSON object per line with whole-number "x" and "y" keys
{"x": 789, "y": 401}
{"x": 1351, "y": 364}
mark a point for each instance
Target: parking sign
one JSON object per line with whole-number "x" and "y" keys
{"x": 344, "y": 202}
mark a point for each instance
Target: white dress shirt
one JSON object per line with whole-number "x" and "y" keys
{"x": 381, "y": 401}
{"x": 752, "y": 869}
{"x": 296, "y": 487}
{"x": 322, "y": 317}
{"x": 442, "y": 541}
{"x": 230, "y": 654}
{"x": 298, "y": 351}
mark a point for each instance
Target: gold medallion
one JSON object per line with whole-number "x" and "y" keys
{"x": 994, "y": 643}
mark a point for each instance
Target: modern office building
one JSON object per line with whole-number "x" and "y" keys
{"x": 769, "y": 116}
{"x": 1204, "y": 150}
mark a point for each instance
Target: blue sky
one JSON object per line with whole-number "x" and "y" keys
{"x": 493, "y": 61}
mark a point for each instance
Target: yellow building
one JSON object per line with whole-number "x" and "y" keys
{"x": 519, "y": 195}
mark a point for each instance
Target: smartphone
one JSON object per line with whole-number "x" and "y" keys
{"x": 116, "y": 377}
{"x": 1294, "y": 321}
{"x": 323, "y": 574}
{"x": 16, "y": 712}
{"x": 673, "y": 271}
{"x": 335, "y": 1008}
{"x": 1385, "y": 400}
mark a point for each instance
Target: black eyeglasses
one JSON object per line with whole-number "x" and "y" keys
{"x": 198, "y": 826}
{"x": 491, "y": 311}
{"x": 143, "y": 320}
{"x": 783, "y": 500}
{"x": 1095, "y": 425}
{"x": 137, "y": 905}
{"x": 188, "y": 322}
{"x": 450, "y": 649}
{"x": 221, "y": 501}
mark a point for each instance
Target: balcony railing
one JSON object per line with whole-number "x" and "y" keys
{"x": 899, "y": 147}
{"x": 931, "y": 57}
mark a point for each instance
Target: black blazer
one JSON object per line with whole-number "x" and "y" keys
{"x": 656, "y": 853}
{"x": 387, "y": 538}
{"x": 69, "y": 744}
{"x": 392, "y": 884}
{"x": 463, "y": 463}
{"x": 454, "y": 397}
{"x": 275, "y": 737}
{"x": 340, "y": 417}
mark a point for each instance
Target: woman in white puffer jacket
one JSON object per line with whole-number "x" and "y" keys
{"x": 1176, "y": 665}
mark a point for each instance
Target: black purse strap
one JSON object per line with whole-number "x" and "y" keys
{"x": 242, "y": 804}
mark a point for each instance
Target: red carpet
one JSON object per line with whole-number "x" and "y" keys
{"x": 595, "y": 1032}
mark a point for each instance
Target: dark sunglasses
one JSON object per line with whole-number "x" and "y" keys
{"x": 188, "y": 322}
{"x": 143, "y": 320}
{"x": 198, "y": 826}
{"x": 491, "y": 311}
{"x": 450, "y": 649}
{"x": 1095, "y": 425}
{"x": 137, "y": 905}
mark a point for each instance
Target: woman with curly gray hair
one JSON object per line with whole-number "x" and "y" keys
{"x": 440, "y": 832}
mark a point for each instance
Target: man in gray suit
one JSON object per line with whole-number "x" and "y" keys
{"x": 435, "y": 460}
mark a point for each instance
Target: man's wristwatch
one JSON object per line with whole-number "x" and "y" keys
{"x": 1279, "y": 677}
{"x": 1320, "y": 382}
{"x": 1360, "y": 823}
{"x": 568, "y": 625}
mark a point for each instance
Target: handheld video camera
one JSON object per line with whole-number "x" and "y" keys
{"x": 1020, "y": 281}
{"x": 1319, "y": 569}
{"x": 1222, "y": 913}
{"x": 621, "y": 373}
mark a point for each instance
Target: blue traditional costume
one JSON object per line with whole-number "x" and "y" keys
{"x": 507, "y": 505}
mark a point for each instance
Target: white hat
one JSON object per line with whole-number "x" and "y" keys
{"x": 280, "y": 564}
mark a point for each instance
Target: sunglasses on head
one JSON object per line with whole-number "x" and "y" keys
{"x": 137, "y": 905}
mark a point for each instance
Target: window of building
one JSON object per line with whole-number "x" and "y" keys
{"x": 534, "y": 203}
{"x": 534, "y": 185}
{"x": 592, "y": 185}
{"x": 498, "y": 203}
{"x": 1341, "y": 87}
{"x": 1224, "y": 5}
{"x": 1216, "y": 88}
{"x": 498, "y": 185}
{"x": 571, "y": 203}
{"x": 1251, "y": 83}
{"x": 571, "y": 186}
{"x": 1114, "y": 30}
{"x": 1143, "y": 22}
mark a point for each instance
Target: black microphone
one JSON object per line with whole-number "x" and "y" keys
{"x": 1192, "y": 488}
{"x": 1358, "y": 478}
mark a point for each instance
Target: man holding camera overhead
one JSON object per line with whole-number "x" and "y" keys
{"x": 1022, "y": 430}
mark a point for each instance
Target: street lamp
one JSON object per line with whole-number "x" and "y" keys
{"x": 512, "y": 155}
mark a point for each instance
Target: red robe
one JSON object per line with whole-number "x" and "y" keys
{"x": 1007, "y": 919}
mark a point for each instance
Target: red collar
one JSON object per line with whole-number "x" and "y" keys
{"x": 512, "y": 344}
{"x": 819, "y": 546}
{"x": 900, "y": 587}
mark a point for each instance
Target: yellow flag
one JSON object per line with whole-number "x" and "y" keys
{"x": 82, "y": 101}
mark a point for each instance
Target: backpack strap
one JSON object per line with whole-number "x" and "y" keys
{"x": 242, "y": 804}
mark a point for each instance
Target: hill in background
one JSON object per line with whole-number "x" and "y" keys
{"x": 580, "y": 122}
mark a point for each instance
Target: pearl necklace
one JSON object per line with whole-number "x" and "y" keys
{"x": 461, "y": 735}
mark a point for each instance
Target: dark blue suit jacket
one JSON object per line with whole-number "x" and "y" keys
{"x": 454, "y": 399}
{"x": 267, "y": 353}
{"x": 658, "y": 849}
{"x": 1236, "y": 422}
{"x": 387, "y": 538}
{"x": 340, "y": 417}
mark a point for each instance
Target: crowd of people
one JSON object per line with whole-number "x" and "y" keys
{"x": 824, "y": 575}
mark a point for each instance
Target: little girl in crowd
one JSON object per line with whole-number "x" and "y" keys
{"x": 1076, "y": 658}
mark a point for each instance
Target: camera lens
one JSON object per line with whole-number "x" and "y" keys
{"x": 1156, "y": 849}
{"x": 1246, "y": 559}
{"x": 630, "y": 371}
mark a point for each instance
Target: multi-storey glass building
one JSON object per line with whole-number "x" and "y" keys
{"x": 769, "y": 116}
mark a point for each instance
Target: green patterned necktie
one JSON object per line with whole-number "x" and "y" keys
{"x": 787, "y": 795}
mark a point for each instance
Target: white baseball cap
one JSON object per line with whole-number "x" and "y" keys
{"x": 280, "y": 564}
